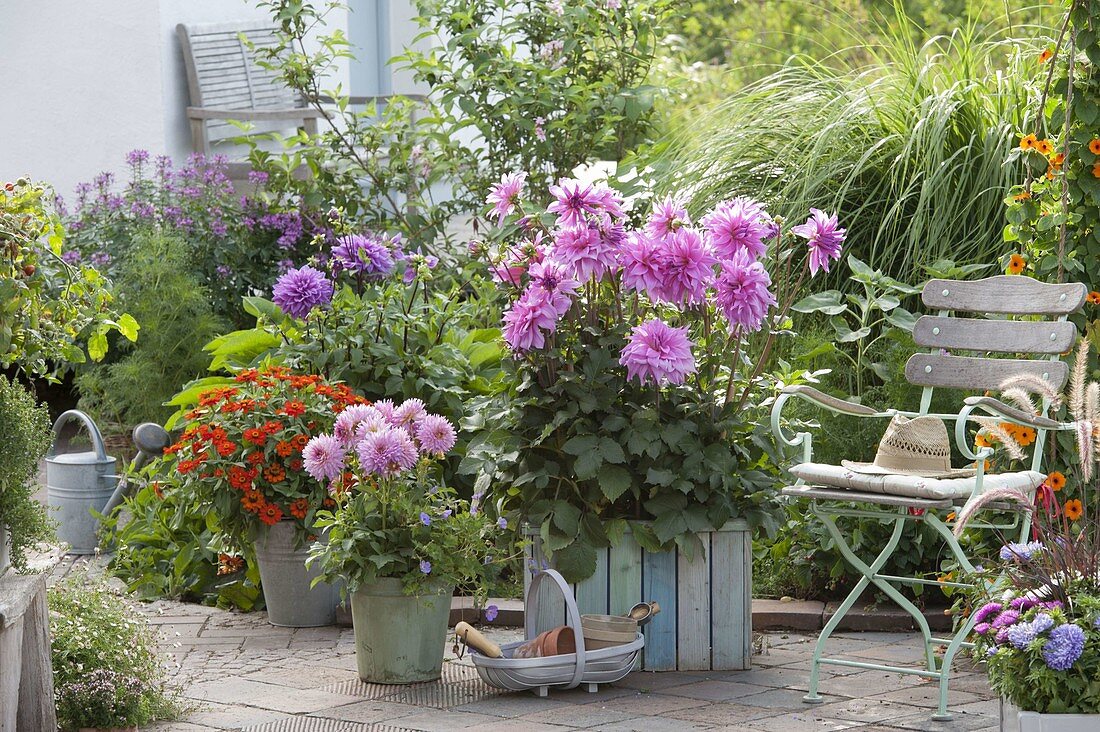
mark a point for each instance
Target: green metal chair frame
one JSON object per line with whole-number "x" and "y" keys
{"x": 1005, "y": 295}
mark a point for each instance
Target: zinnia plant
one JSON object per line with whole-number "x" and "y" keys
{"x": 395, "y": 518}
{"x": 243, "y": 449}
{"x": 638, "y": 343}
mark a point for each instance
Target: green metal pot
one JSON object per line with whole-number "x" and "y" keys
{"x": 399, "y": 638}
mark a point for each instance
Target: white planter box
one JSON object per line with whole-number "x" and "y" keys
{"x": 1013, "y": 720}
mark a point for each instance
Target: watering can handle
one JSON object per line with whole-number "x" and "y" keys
{"x": 93, "y": 432}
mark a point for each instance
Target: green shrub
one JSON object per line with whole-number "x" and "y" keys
{"x": 158, "y": 284}
{"x": 93, "y": 629}
{"x": 24, "y": 439}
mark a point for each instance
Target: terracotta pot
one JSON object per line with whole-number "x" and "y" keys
{"x": 557, "y": 642}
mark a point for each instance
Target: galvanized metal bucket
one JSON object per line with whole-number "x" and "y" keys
{"x": 286, "y": 580}
{"x": 78, "y": 483}
{"x": 399, "y": 638}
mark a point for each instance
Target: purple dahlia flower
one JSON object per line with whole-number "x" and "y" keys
{"x": 323, "y": 458}
{"x": 388, "y": 453}
{"x": 436, "y": 435}
{"x": 363, "y": 255}
{"x": 737, "y": 226}
{"x": 300, "y": 290}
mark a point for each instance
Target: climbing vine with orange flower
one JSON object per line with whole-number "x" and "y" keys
{"x": 240, "y": 453}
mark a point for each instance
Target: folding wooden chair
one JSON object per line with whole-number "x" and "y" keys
{"x": 898, "y": 500}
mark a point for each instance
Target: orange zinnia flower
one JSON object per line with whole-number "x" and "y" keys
{"x": 283, "y": 448}
{"x": 299, "y": 507}
{"x": 1045, "y": 55}
{"x": 274, "y": 473}
{"x": 1094, "y": 297}
{"x": 1074, "y": 510}
{"x": 255, "y": 435}
{"x": 1056, "y": 481}
{"x": 1016, "y": 264}
{"x": 1028, "y": 142}
{"x": 271, "y": 514}
{"x": 1046, "y": 147}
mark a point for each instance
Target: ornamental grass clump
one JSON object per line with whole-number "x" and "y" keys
{"x": 638, "y": 346}
{"x": 394, "y": 517}
{"x": 243, "y": 451}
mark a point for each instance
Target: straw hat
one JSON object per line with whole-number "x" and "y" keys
{"x": 917, "y": 446}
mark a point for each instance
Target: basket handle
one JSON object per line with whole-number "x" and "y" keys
{"x": 573, "y": 612}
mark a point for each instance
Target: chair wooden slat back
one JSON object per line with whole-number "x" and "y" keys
{"x": 1007, "y": 295}
{"x": 223, "y": 77}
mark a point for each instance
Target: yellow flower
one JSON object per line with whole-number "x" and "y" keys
{"x": 1016, "y": 264}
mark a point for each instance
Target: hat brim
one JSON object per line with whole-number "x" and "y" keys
{"x": 872, "y": 469}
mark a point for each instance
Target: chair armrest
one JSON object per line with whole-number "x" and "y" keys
{"x": 1000, "y": 409}
{"x": 254, "y": 115}
{"x": 832, "y": 403}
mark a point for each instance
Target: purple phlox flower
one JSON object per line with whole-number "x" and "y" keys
{"x": 687, "y": 267}
{"x": 446, "y": 513}
{"x": 223, "y": 270}
{"x": 1020, "y": 552}
{"x": 72, "y": 256}
{"x": 425, "y": 519}
{"x": 363, "y": 255}
{"x": 299, "y": 291}
{"x": 738, "y": 225}
{"x": 323, "y": 458}
{"x": 426, "y": 566}
{"x": 553, "y": 283}
{"x": 505, "y": 195}
{"x": 658, "y": 353}
{"x": 527, "y": 322}
{"x": 491, "y": 612}
{"x": 540, "y": 132}
{"x": 741, "y": 291}
{"x": 388, "y": 453}
{"x": 824, "y": 237}
{"x": 1096, "y": 623}
{"x": 436, "y": 435}
{"x": 987, "y": 611}
{"x": 475, "y": 502}
{"x": 502, "y": 523}
{"x": 349, "y": 420}
{"x": 667, "y": 216}
{"x": 640, "y": 262}
{"x": 409, "y": 413}
{"x": 1064, "y": 647}
{"x": 574, "y": 201}
{"x": 583, "y": 251}
{"x": 1005, "y": 619}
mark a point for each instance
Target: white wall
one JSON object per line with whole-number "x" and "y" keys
{"x": 85, "y": 81}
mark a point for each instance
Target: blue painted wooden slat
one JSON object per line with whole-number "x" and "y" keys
{"x": 592, "y": 593}
{"x": 693, "y": 610}
{"x": 659, "y": 583}
{"x": 731, "y": 605}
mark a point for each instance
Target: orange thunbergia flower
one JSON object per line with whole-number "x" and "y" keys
{"x": 1025, "y": 436}
{"x": 1022, "y": 196}
{"x": 982, "y": 440}
{"x": 1016, "y": 264}
{"x": 1094, "y": 146}
{"x": 1094, "y": 297}
{"x": 951, "y": 516}
{"x": 1046, "y": 147}
{"x": 1028, "y": 142}
{"x": 1045, "y": 55}
{"x": 1074, "y": 510}
{"x": 1056, "y": 481}
{"x": 1057, "y": 160}
{"x": 1096, "y": 171}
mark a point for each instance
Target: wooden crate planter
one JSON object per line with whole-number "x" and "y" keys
{"x": 705, "y": 623}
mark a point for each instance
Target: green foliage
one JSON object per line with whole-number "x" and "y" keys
{"x": 25, "y": 437}
{"x": 158, "y": 283}
{"x": 92, "y": 628}
{"x": 165, "y": 546}
{"x": 50, "y": 310}
{"x": 910, "y": 150}
{"x": 544, "y": 85}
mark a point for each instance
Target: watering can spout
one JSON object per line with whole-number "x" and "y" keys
{"x": 151, "y": 440}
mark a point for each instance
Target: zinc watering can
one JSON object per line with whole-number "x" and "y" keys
{"x": 78, "y": 483}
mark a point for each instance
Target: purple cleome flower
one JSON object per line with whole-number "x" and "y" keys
{"x": 300, "y": 290}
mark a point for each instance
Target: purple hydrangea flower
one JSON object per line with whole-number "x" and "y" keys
{"x": 323, "y": 458}
{"x": 1064, "y": 647}
{"x": 505, "y": 195}
{"x": 388, "y": 453}
{"x": 738, "y": 226}
{"x": 659, "y": 353}
{"x": 426, "y": 567}
{"x": 741, "y": 291}
{"x": 435, "y": 435}
{"x": 363, "y": 255}
{"x": 824, "y": 237}
{"x": 300, "y": 290}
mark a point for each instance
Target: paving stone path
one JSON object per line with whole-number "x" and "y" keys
{"x": 241, "y": 673}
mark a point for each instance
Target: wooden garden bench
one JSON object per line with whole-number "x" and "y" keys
{"x": 832, "y": 491}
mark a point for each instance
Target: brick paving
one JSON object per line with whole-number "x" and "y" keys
{"x": 240, "y": 673}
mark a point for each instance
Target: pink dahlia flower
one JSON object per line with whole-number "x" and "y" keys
{"x": 323, "y": 458}
{"x": 686, "y": 266}
{"x": 553, "y": 283}
{"x": 741, "y": 291}
{"x": 641, "y": 266}
{"x": 668, "y": 216}
{"x": 505, "y": 195}
{"x": 824, "y": 237}
{"x": 388, "y": 453}
{"x": 409, "y": 413}
{"x": 659, "y": 353}
{"x": 574, "y": 201}
{"x": 349, "y": 420}
{"x": 436, "y": 435}
{"x": 739, "y": 225}
{"x": 583, "y": 251}
{"x": 527, "y": 321}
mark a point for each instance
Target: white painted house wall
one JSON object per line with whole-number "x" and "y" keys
{"x": 86, "y": 81}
